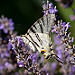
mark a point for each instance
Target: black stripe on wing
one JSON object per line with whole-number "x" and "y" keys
{"x": 37, "y": 36}
{"x": 31, "y": 29}
{"x": 42, "y": 19}
{"x": 40, "y": 24}
{"x": 31, "y": 42}
{"x": 34, "y": 32}
{"x": 47, "y": 22}
{"x": 34, "y": 26}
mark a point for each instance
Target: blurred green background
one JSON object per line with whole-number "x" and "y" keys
{"x": 25, "y": 12}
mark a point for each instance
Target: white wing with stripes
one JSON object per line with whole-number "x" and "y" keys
{"x": 38, "y": 36}
{"x": 43, "y": 25}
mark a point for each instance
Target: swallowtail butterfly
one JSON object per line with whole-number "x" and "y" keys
{"x": 38, "y": 36}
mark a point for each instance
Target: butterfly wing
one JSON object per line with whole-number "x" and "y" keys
{"x": 43, "y": 25}
{"x": 38, "y": 36}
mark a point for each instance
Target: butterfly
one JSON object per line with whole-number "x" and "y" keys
{"x": 38, "y": 35}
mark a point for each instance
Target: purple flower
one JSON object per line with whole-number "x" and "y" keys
{"x": 57, "y": 41}
{"x": 7, "y": 59}
{"x": 6, "y": 25}
{"x": 1, "y": 26}
{"x": 49, "y": 8}
{"x": 72, "y": 17}
{"x": 20, "y": 64}
{"x": 34, "y": 58}
{"x": 1, "y": 67}
{"x": 60, "y": 28}
{"x": 53, "y": 66}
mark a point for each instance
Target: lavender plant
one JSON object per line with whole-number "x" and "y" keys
{"x": 7, "y": 63}
{"x": 34, "y": 63}
{"x": 64, "y": 45}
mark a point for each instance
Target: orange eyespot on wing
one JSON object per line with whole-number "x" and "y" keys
{"x": 43, "y": 51}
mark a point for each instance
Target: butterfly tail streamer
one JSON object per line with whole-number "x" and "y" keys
{"x": 54, "y": 56}
{"x": 58, "y": 59}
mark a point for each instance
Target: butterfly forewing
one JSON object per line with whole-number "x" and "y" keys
{"x": 43, "y": 25}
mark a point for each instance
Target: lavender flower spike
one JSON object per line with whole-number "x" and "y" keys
{"x": 49, "y": 8}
